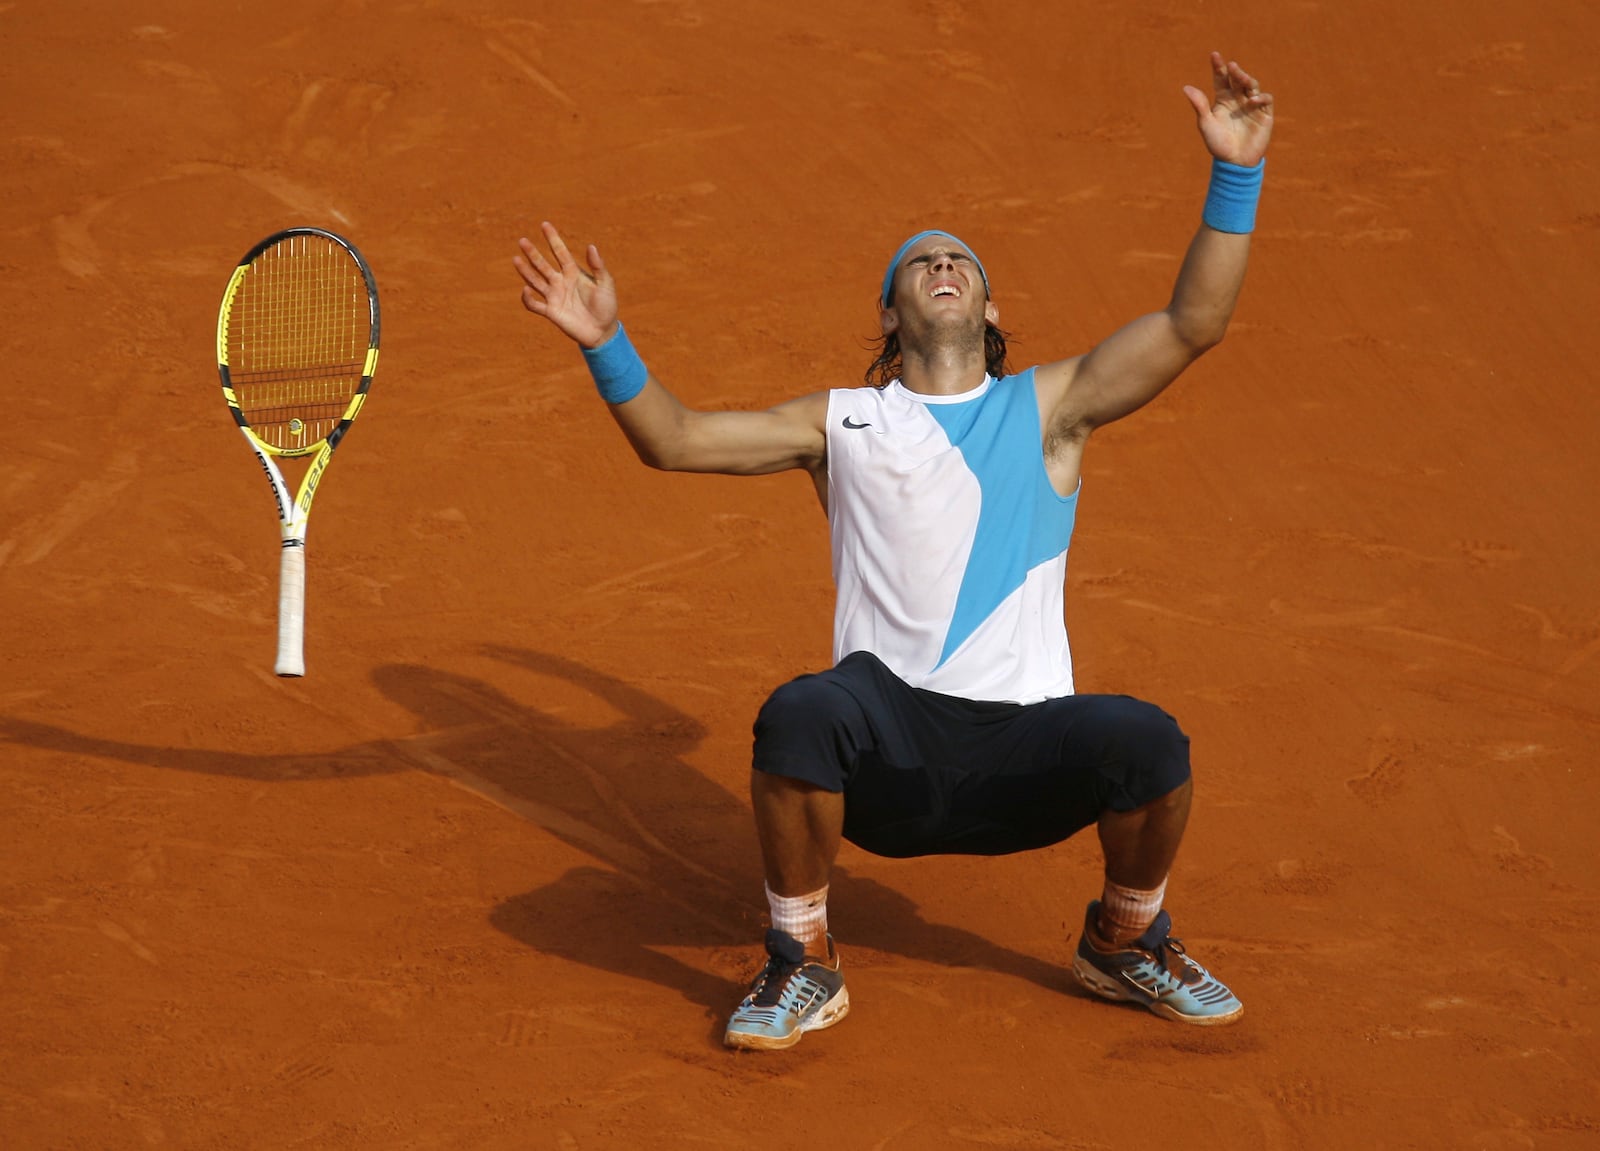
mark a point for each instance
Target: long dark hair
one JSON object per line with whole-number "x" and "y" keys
{"x": 886, "y": 368}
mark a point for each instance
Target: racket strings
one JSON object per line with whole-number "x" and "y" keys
{"x": 298, "y": 339}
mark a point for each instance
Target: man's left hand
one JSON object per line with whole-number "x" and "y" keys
{"x": 1236, "y": 121}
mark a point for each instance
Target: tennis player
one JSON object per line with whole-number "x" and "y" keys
{"x": 948, "y": 722}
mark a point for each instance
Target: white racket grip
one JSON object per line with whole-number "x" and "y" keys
{"x": 292, "y": 610}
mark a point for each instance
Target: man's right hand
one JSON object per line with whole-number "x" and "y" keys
{"x": 582, "y": 302}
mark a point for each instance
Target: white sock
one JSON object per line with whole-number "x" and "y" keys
{"x": 803, "y": 916}
{"x": 1127, "y": 911}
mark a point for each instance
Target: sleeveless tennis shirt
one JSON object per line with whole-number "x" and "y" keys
{"x": 949, "y": 544}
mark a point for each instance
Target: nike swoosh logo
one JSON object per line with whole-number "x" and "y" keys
{"x": 854, "y": 427}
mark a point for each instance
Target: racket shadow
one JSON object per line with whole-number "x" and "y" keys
{"x": 673, "y": 862}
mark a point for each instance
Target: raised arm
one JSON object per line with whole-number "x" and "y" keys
{"x": 582, "y": 304}
{"x": 1132, "y": 366}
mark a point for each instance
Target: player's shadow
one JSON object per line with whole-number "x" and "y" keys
{"x": 675, "y": 863}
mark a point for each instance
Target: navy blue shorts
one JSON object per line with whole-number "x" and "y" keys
{"x": 927, "y": 774}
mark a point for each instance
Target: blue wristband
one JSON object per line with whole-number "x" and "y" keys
{"x": 1231, "y": 199}
{"x": 618, "y": 371}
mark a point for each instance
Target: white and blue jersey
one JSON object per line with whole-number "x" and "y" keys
{"x": 949, "y": 542}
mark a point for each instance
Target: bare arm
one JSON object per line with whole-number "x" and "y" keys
{"x": 1135, "y": 364}
{"x": 666, "y": 433}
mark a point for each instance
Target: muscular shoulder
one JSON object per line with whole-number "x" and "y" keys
{"x": 811, "y": 410}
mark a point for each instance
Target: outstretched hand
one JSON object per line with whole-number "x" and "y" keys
{"x": 1236, "y": 121}
{"x": 582, "y": 302}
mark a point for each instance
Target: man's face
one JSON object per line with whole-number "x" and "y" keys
{"x": 937, "y": 285}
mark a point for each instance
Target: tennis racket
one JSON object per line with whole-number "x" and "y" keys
{"x": 297, "y": 343}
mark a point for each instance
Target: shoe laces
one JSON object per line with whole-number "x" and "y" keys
{"x": 1184, "y": 970}
{"x": 773, "y": 979}
{"x": 769, "y": 987}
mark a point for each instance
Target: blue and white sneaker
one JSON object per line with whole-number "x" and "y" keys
{"x": 1155, "y": 971}
{"x": 793, "y": 994}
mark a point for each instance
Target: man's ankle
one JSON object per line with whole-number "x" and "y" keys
{"x": 818, "y": 948}
{"x": 1104, "y": 936}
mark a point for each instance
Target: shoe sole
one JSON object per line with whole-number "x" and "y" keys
{"x": 836, "y": 1009}
{"x": 1106, "y": 987}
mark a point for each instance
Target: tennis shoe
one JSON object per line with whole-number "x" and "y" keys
{"x": 1156, "y": 972}
{"x": 794, "y": 993}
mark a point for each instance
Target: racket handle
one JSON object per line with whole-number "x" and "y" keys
{"x": 292, "y": 610}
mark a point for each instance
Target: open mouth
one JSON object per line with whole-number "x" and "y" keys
{"x": 945, "y": 290}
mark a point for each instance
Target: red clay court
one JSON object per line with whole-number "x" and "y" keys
{"x": 486, "y": 878}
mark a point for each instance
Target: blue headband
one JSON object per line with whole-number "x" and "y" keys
{"x": 894, "y": 264}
